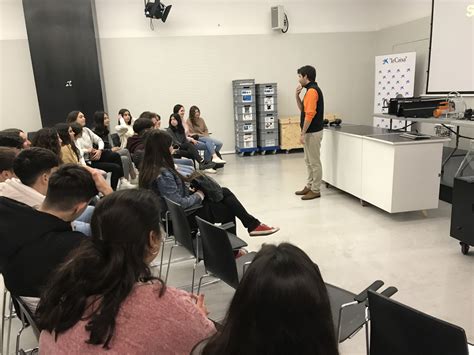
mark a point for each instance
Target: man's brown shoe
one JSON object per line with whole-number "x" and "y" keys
{"x": 303, "y": 192}
{"x": 311, "y": 195}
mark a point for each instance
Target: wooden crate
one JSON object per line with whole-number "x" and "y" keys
{"x": 290, "y": 133}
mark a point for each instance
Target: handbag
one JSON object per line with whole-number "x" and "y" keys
{"x": 211, "y": 188}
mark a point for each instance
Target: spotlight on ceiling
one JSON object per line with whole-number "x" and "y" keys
{"x": 157, "y": 10}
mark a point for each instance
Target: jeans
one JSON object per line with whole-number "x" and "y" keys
{"x": 184, "y": 170}
{"x": 213, "y": 145}
{"x": 83, "y": 222}
{"x": 207, "y": 153}
{"x": 186, "y": 162}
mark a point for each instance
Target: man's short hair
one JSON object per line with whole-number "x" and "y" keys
{"x": 149, "y": 115}
{"x": 7, "y": 157}
{"x": 69, "y": 185}
{"x": 141, "y": 125}
{"x": 33, "y": 162}
{"x": 308, "y": 71}
{"x": 11, "y": 140}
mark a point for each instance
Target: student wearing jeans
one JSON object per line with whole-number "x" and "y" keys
{"x": 312, "y": 113}
{"x": 197, "y": 127}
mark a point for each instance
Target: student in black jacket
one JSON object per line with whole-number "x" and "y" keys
{"x": 34, "y": 242}
{"x": 183, "y": 147}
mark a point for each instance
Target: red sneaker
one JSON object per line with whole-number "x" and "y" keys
{"x": 241, "y": 252}
{"x": 263, "y": 229}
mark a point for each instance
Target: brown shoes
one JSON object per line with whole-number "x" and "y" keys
{"x": 303, "y": 192}
{"x": 311, "y": 195}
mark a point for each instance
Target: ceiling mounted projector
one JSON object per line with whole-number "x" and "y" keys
{"x": 157, "y": 10}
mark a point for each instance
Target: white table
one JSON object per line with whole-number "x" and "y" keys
{"x": 380, "y": 167}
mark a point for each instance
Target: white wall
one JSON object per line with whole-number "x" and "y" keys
{"x": 205, "y": 44}
{"x": 344, "y": 64}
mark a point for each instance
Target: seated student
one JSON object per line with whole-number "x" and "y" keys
{"x": 280, "y": 307}
{"x": 125, "y": 126}
{"x": 70, "y": 154}
{"x": 183, "y": 147}
{"x": 7, "y": 157}
{"x": 209, "y": 155}
{"x": 18, "y": 132}
{"x": 98, "y": 157}
{"x": 136, "y": 146}
{"x": 112, "y": 303}
{"x": 47, "y": 138}
{"x": 34, "y": 242}
{"x": 101, "y": 128}
{"x": 11, "y": 140}
{"x": 154, "y": 117}
{"x": 33, "y": 168}
{"x": 197, "y": 126}
{"x": 159, "y": 174}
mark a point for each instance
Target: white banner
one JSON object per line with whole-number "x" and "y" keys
{"x": 394, "y": 77}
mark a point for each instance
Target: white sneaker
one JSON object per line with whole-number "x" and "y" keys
{"x": 218, "y": 160}
{"x": 125, "y": 184}
{"x": 210, "y": 171}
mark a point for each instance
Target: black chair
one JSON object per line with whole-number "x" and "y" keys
{"x": 218, "y": 253}
{"x": 168, "y": 237}
{"x": 349, "y": 310}
{"x": 398, "y": 329}
{"x": 183, "y": 236}
{"x": 27, "y": 319}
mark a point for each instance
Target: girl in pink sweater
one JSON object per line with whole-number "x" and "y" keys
{"x": 105, "y": 298}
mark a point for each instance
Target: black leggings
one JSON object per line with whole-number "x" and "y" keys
{"x": 188, "y": 150}
{"x": 225, "y": 211}
{"x": 111, "y": 163}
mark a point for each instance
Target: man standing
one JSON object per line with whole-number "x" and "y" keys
{"x": 312, "y": 113}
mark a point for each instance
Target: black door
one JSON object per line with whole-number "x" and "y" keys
{"x": 64, "y": 54}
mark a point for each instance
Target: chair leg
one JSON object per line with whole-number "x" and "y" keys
{"x": 10, "y": 317}
{"x": 4, "y": 313}
{"x": 169, "y": 263}
{"x": 18, "y": 336}
{"x": 200, "y": 282}
{"x": 366, "y": 325}
{"x": 167, "y": 219}
{"x": 162, "y": 256}
{"x": 194, "y": 274}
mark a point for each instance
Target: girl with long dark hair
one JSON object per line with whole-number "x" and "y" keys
{"x": 47, "y": 138}
{"x": 69, "y": 152}
{"x": 209, "y": 151}
{"x": 101, "y": 128}
{"x": 183, "y": 147}
{"x": 92, "y": 149}
{"x": 159, "y": 174}
{"x": 197, "y": 127}
{"x": 280, "y": 307}
{"x": 125, "y": 126}
{"x": 105, "y": 297}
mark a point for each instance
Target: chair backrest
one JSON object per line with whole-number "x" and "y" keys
{"x": 218, "y": 254}
{"x": 26, "y": 316}
{"x": 398, "y": 329}
{"x": 181, "y": 229}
